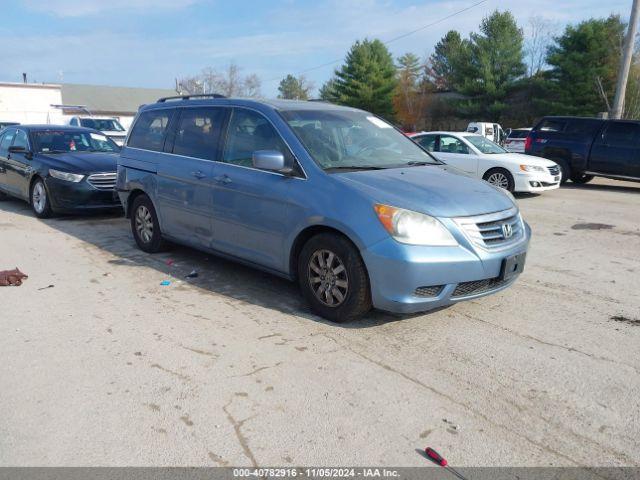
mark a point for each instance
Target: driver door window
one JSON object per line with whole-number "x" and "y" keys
{"x": 454, "y": 152}
{"x": 248, "y": 132}
{"x": 21, "y": 140}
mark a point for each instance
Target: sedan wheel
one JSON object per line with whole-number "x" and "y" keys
{"x": 328, "y": 278}
{"x": 500, "y": 177}
{"x": 499, "y": 180}
{"x": 39, "y": 200}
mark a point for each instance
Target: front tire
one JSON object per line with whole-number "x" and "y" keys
{"x": 333, "y": 278}
{"x": 565, "y": 170}
{"x": 581, "y": 178}
{"x": 500, "y": 177}
{"x": 39, "y": 199}
{"x": 145, "y": 225}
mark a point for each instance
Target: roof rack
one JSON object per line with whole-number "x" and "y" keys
{"x": 188, "y": 97}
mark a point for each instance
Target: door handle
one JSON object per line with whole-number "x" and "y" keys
{"x": 223, "y": 179}
{"x": 198, "y": 174}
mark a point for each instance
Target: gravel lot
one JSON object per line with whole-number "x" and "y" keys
{"x": 110, "y": 368}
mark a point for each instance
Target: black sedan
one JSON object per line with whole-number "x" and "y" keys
{"x": 58, "y": 169}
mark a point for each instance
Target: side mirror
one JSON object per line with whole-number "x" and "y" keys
{"x": 270, "y": 160}
{"x": 22, "y": 150}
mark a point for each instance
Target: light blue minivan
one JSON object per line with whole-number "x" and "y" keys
{"x": 333, "y": 197}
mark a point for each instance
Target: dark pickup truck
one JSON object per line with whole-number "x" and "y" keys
{"x": 588, "y": 147}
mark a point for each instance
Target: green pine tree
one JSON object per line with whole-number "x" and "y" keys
{"x": 328, "y": 91}
{"x": 367, "y": 79}
{"x": 294, "y": 88}
{"x": 449, "y": 63}
{"x": 496, "y": 63}
{"x": 584, "y": 63}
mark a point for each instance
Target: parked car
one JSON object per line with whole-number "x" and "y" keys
{"x": 588, "y": 147}
{"x": 8, "y": 124}
{"x": 110, "y": 126}
{"x": 58, "y": 169}
{"x": 492, "y": 131}
{"x": 515, "y": 140}
{"x": 331, "y": 196}
{"x": 481, "y": 158}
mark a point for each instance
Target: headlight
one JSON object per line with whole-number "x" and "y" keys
{"x": 414, "y": 228}
{"x": 69, "y": 177}
{"x": 532, "y": 168}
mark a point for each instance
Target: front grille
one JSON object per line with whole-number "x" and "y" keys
{"x": 433, "y": 291}
{"x": 103, "y": 181}
{"x": 555, "y": 170}
{"x": 465, "y": 289}
{"x": 493, "y": 231}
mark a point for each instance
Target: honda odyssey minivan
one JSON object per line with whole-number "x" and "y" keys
{"x": 332, "y": 197}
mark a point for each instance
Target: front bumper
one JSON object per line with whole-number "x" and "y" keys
{"x": 411, "y": 278}
{"x": 536, "y": 182}
{"x": 68, "y": 197}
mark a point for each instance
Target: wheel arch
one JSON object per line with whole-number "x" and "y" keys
{"x": 135, "y": 193}
{"x": 307, "y": 233}
{"x": 495, "y": 166}
{"x": 35, "y": 177}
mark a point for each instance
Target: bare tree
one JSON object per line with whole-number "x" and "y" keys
{"x": 229, "y": 82}
{"x": 540, "y": 32}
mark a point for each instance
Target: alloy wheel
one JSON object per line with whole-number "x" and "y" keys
{"x": 39, "y": 197}
{"x": 499, "y": 179}
{"x": 328, "y": 278}
{"x": 144, "y": 224}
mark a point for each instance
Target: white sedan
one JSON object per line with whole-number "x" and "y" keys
{"x": 484, "y": 159}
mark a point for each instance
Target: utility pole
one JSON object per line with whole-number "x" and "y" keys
{"x": 625, "y": 62}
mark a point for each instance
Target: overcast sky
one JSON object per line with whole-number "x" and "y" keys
{"x": 147, "y": 43}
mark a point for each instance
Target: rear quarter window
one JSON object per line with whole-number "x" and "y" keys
{"x": 518, "y": 134}
{"x": 550, "y": 125}
{"x": 581, "y": 127}
{"x": 150, "y": 130}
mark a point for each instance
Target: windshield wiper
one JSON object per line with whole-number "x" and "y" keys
{"x": 416, "y": 163}
{"x": 421, "y": 163}
{"x": 354, "y": 167}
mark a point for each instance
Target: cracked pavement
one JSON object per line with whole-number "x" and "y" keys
{"x": 108, "y": 368}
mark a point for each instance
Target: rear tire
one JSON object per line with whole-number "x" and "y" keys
{"x": 500, "y": 177}
{"x": 39, "y": 199}
{"x": 145, "y": 226}
{"x": 581, "y": 178}
{"x": 333, "y": 278}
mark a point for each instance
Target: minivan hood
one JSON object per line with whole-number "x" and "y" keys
{"x": 81, "y": 162}
{"x": 437, "y": 190}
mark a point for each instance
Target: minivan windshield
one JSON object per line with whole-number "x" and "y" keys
{"x": 484, "y": 144}
{"x": 63, "y": 141}
{"x": 350, "y": 140}
{"x": 102, "y": 124}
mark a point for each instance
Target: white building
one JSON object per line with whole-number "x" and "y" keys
{"x": 40, "y": 103}
{"x": 30, "y": 103}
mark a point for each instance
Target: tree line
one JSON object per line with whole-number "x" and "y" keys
{"x": 494, "y": 74}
